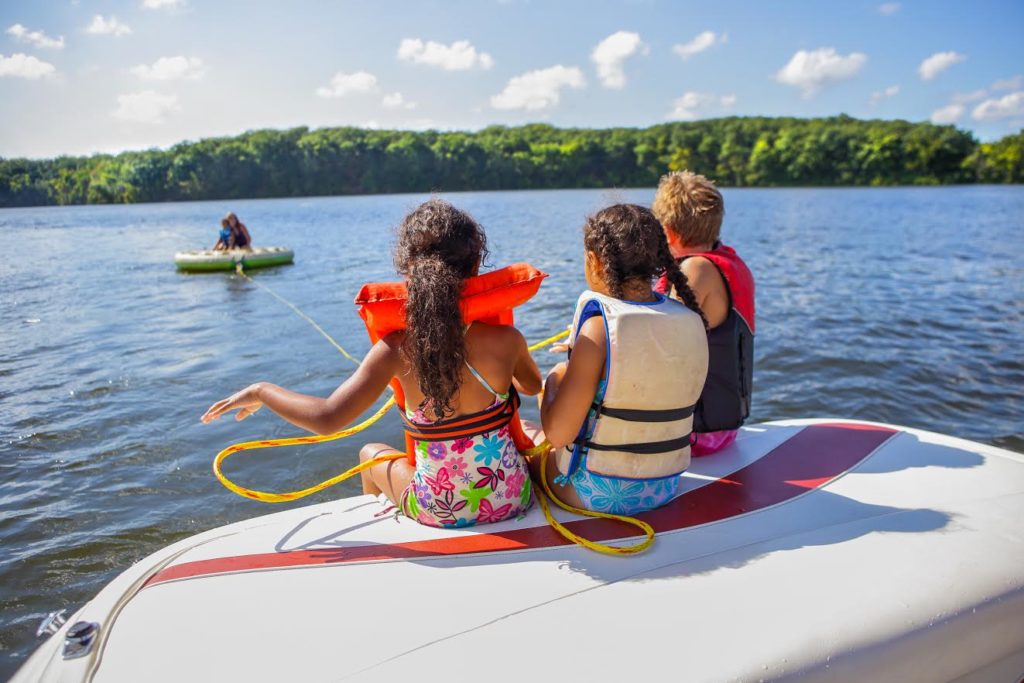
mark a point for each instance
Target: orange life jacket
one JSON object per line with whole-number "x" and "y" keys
{"x": 488, "y": 298}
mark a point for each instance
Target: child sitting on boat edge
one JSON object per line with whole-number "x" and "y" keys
{"x": 619, "y": 412}
{"x": 691, "y": 210}
{"x": 467, "y": 469}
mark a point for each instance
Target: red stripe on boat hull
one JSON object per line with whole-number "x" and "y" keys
{"x": 810, "y": 459}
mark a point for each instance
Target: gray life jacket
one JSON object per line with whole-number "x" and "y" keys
{"x": 655, "y": 368}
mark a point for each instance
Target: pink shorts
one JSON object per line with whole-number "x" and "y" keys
{"x": 710, "y": 442}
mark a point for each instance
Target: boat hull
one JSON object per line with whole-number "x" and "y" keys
{"x": 825, "y": 550}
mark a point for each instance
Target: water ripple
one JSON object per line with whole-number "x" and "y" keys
{"x": 897, "y": 305}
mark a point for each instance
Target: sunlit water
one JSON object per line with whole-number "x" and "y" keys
{"x": 897, "y": 305}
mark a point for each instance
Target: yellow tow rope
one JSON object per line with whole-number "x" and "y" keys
{"x": 267, "y": 496}
{"x": 540, "y": 451}
{"x": 647, "y": 529}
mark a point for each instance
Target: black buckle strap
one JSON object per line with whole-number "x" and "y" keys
{"x": 649, "y": 448}
{"x": 633, "y": 415}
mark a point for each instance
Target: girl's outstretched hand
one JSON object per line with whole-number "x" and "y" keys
{"x": 246, "y": 402}
{"x": 563, "y": 346}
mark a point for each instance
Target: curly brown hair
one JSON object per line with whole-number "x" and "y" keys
{"x": 632, "y": 246}
{"x": 438, "y": 247}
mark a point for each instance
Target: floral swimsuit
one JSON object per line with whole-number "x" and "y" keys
{"x": 468, "y": 469}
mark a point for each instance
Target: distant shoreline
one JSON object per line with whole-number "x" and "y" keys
{"x": 546, "y": 189}
{"x": 737, "y": 152}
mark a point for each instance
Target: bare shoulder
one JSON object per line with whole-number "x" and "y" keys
{"x": 502, "y": 338}
{"x": 593, "y": 329}
{"x": 705, "y": 279}
{"x": 709, "y": 286}
{"x": 390, "y": 345}
{"x": 699, "y": 270}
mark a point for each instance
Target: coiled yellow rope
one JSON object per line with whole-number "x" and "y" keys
{"x": 647, "y": 529}
{"x": 269, "y": 497}
{"x": 542, "y": 451}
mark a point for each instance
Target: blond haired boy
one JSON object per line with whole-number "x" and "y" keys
{"x": 691, "y": 210}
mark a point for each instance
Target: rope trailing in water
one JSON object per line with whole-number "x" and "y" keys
{"x": 542, "y": 451}
{"x": 299, "y": 312}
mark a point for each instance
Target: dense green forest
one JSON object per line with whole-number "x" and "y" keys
{"x": 330, "y": 161}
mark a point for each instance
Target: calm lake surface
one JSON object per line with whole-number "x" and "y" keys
{"x": 897, "y": 305}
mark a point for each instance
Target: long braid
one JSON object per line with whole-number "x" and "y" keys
{"x": 611, "y": 255}
{"x": 677, "y": 278}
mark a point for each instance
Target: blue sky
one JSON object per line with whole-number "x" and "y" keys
{"x": 82, "y": 76}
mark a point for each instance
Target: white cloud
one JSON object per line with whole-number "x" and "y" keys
{"x": 1013, "y": 83}
{"x": 170, "y": 69}
{"x": 951, "y": 113}
{"x": 692, "y": 104}
{"x": 937, "y": 63}
{"x": 111, "y": 26}
{"x": 811, "y": 70}
{"x": 539, "y": 89}
{"x": 700, "y": 43}
{"x": 25, "y": 66}
{"x": 459, "y": 56}
{"x": 973, "y": 96}
{"x": 879, "y": 95}
{"x": 611, "y": 53}
{"x": 889, "y": 8}
{"x": 1005, "y": 107}
{"x": 35, "y": 38}
{"x": 344, "y": 84}
{"x": 147, "y": 106}
{"x": 162, "y": 4}
{"x": 397, "y": 101}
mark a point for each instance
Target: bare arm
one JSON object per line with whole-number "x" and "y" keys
{"x": 709, "y": 288}
{"x": 526, "y": 375}
{"x": 312, "y": 413}
{"x": 570, "y": 388}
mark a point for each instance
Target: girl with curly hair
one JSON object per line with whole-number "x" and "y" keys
{"x": 451, "y": 374}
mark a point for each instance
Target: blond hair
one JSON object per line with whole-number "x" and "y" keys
{"x": 691, "y": 206}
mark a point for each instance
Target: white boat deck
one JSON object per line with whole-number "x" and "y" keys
{"x": 824, "y": 550}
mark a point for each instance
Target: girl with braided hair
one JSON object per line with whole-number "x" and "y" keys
{"x": 619, "y": 412}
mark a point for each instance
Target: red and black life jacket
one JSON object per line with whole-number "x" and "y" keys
{"x": 725, "y": 401}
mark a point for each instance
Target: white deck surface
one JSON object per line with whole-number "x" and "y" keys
{"x": 905, "y": 567}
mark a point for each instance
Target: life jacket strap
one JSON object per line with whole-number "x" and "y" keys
{"x": 466, "y": 425}
{"x": 648, "y": 448}
{"x": 632, "y": 415}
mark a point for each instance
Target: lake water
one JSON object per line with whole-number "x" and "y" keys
{"x": 897, "y": 305}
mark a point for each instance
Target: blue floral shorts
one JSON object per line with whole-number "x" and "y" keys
{"x": 621, "y": 496}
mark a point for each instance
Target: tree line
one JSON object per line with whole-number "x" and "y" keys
{"x": 735, "y": 151}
